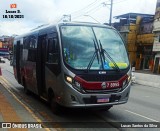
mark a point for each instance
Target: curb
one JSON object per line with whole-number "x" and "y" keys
{"x": 147, "y": 79}
{"x": 6, "y": 86}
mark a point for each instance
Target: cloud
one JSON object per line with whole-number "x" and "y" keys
{"x": 42, "y": 12}
{"x": 13, "y": 27}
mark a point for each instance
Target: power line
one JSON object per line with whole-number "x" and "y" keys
{"x": 111, "y": 6}
{"x": 99, "y": 6}
{"x": 87, "y": 12}
{"x": 88, "y": 6}
{"x": 91, "y": 8}
{"x": 105, "y": 2}
{"x": 119, "y": 2}
{"x": 93, "y": 11}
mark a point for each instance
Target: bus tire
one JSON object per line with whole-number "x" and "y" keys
{"x": 26, "y": 91}
{"x": 55, "y": 107}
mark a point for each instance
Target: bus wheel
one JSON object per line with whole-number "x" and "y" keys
{"x": 26, "y": 91}
{"x": 55, "y": 107}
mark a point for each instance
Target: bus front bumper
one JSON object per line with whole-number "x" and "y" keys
{"x": 73, "y": 98}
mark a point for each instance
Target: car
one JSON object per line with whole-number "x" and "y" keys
{"x": 2, "y": 60}
{"x": 5, "y": 55}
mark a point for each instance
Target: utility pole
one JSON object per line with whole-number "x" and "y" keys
{"x": 110, "y": 19}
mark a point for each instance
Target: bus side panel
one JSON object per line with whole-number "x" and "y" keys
{"x": 16, "y": 65}
{"x": 48, "y": 62}
{"x": 29, "y": 63}
{"x": 14, "y": 59}
{"x": 52, "y": 64}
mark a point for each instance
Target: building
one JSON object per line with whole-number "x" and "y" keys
{"x": 144, "y": 42}
{"x": 136, "y": 30}
{"x": 6, "y": 42}
{"x": 156, "y": 45}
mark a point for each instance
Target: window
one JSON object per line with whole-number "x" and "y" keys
{"x": 29, "y": 51}
{"x": 79, "y": 45}
{"x": 52, "y": 51}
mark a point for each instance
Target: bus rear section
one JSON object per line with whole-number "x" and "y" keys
{"x": 78, "y": 65}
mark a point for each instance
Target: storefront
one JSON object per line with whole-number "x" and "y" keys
{"x": 145, "y": 58}
{"x": 156, "y": 49}
{"x": 157, "y": 64}
{"x": 156, "y": 45}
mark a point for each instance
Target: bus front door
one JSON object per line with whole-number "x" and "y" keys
{"x": 48, "y": 63}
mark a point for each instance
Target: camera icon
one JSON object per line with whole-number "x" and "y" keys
{"x": 6, "y": 125}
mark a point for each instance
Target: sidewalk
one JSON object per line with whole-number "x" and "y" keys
{"x": 13, "y": 110}
{"x": 147, "y": 78}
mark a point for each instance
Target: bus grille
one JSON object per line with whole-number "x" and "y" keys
{"x": 104, "y": 91}
{"x": 92, "y": 77}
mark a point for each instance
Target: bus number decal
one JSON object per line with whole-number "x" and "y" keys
{"x": 114, "y": 84}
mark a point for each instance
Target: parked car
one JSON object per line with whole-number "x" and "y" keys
{"x": 5, "y": 55}
{"x": 2, "y": 60}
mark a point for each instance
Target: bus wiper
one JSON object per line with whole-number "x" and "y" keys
{"x": 103, "y": 51}
{"x": 93, "y": 57}
{"x": 96, "y": 50}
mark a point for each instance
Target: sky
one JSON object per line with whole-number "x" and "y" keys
{"x": 39, "y": 12}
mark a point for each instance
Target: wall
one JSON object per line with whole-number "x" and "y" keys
{"x": 131, "y": 42}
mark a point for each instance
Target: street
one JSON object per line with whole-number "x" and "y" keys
{"x": 143, "y": 106}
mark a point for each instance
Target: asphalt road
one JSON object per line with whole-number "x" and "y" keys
{"x": 143, "y": 106}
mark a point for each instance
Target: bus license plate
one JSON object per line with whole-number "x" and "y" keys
{"x": 102, "y": 100}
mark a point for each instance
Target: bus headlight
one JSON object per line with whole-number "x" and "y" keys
{"x": 73, "y": 82}
{"x": 68, "y": 79}
{"x": 126, "y": 82}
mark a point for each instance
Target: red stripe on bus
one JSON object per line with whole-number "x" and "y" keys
{"x": 98, "y": 85}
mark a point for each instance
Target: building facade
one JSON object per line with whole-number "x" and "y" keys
{"x": 136, "y": 29}
{"x": 156, "y": 45}
{"x": 144, "y": 42}
{"x": 6, "y": 42}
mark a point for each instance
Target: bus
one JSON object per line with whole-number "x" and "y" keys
{"x": 74, "y": 64}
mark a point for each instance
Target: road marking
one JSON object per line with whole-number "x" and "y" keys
{"x": 5, "y": 82}
{"x": 142, "y": 116}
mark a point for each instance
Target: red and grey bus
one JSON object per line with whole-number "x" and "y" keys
{"x": 74, "y": 64}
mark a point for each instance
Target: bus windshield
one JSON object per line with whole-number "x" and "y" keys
{"x": 80, "y": 43}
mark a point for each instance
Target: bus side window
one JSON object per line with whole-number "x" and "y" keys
{"x": 52, "y": 51}
{"x": 31, "y": 47}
